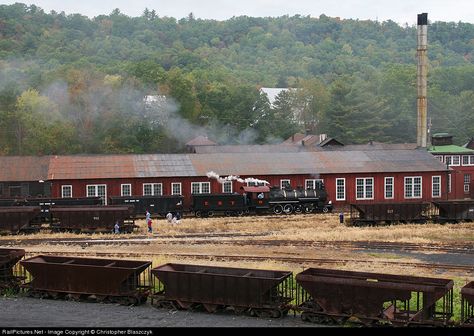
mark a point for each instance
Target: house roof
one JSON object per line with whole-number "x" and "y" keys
{"x": 200, "y": 141}
{"x": 183, "y": 165}
{"x": 450, "y": 149}
{"x": 24, "y": 168}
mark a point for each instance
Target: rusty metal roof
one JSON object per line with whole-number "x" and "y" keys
{"x": 200, "y": 141}
{"x": 253, "y": 163}
{"x": 321, "y": 162}
{"x": 24, "y": 168}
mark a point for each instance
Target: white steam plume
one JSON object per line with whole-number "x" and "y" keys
{"x": 216, "y": 176}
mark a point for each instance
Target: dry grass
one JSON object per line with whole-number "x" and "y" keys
{"x": 317, "y": 227}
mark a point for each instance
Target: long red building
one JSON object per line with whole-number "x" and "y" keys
{"x": 356, "y": 174}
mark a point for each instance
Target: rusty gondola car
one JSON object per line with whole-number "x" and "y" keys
{"x": 335, "y": 296}
{"x": 104, "y": 280}
{"x": 467, "y": 305}
{"x": 256, "y": 292}
{"x": 10, "y": 280}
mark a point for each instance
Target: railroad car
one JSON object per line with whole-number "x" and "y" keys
{"x": 317, "y": 294}
{"x": 104, "y": 280}
{"x": 10, "y": 280}
{"x": 156, "y": 205}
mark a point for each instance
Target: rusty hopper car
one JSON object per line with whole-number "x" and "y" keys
{"x": 467, "y": 305}
{"x": 103, "y": 280}
{"x": 454, "y": 211}
{"x": 156, "y": 205}
{"x": 16, "y": 219}
{"x": 336, "y": 296}
{"x": 92, "y": 218}
{"x": 389, "y": 213}
{"x": 257, "y": 292}
{"x": 206, "y": 205}
{"x": 9, "y": 279}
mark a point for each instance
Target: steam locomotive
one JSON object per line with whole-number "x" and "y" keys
{"x": 263, "y": 200}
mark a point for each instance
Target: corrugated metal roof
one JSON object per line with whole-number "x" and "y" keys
{"x": 254, "y": 163}
{"x": 280, "y": 148}
{"x": 24, "y": 168}
{"x": 200, "y": 141}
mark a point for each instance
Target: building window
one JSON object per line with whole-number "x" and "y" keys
{"x": 227, "y": 187}
{"x": 388, "y": 188}
{"x": 255, "y": 184}
{"x": 285, "y": 184}
{"x": 200, "y": 187}
{"x": 126, "y": 190}
{"x": 439, "y": 157}
{"x": 467, "y": 182}
{"x": 449, "y": 182}
{"x": 452, "y": 160}
{"x": 413, "y": 187}
{"x": 152, "y": 189}
{"x": 314, "y": 184}
{"x": 436, "y": 186}
{"x": 340, "y": 189}
{"x": 97, "y": 190}
{"x": 66, "y": 191}
{"x": 468, "y": 160}
{"x": 364, "y": 188}
{"x": 175, "y": 188}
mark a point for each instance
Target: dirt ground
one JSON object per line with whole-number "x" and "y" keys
{"x": 202, "y": 241}
{"x": 30, "y": 312}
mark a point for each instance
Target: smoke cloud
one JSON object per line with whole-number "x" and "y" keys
{"x": 221, "y": 180}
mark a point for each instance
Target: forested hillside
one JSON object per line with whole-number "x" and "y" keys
{"x": 71, "y": 84}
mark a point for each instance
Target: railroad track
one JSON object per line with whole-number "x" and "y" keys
{"x": 217, "y": 239}
{"x": 286, "y": 259}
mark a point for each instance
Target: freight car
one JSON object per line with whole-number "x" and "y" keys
{"x": 335, "y": 296}
{"x": 10, "y": 280}
{"x": 156, "y": 205}
{"x": 262, "y": 293}
{"x": 319, "y": 295}
{"x": 449, "y": 211}
{"x": 104, "y": 280}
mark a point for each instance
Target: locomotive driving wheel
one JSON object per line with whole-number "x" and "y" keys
{"x": 278, "y": 209}
{"x": 288, "y": 209}
{"x": 298, "y": 208}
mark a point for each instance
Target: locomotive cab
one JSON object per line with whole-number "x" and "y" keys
{"x": 256, "y": 198}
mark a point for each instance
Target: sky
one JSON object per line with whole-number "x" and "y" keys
{"x": 400, "y": 11}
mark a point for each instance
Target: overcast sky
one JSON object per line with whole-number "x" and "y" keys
{"x": 400, "y": 11}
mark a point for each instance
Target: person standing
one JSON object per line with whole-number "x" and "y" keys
{"x": 148, "y": 221}
{"x": 116, "y": 227}
{"x": 341, "y": 217}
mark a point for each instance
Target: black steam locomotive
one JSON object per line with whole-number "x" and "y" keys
{"x": 262, "y": 200}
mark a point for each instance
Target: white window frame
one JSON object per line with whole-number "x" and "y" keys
{"x": 229, "y": 190}
{"x": 63, "y": 189}
{"x": 412, "y": 188}
{"x": 343, "y": 180}
{"x": 312, "y": 182}
{"x": 449, "y": 183}
{"x": 434, "y": 184}
{"x": 440, "y": 158}
{"x": 466, "y": 188}
{"x": 255, "y": 184}
{"x": 367, "y": 188}
{"x": 469, "y": 160}
{"x": 285, "y": 181}
{"x": 392, "y": 185}
{"x": 156, "y": 189}
{"x": 452, "y": 160}
{"x": 176, "y": 184}
{"x": 122, "y": 186}
{"x": 200, "y": 188}
{"x": 95, "y": 193}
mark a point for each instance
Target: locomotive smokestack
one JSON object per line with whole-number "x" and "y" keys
{"x": 421, "y": 127}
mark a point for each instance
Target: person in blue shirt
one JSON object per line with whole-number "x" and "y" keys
{"x": 148, "y": 221}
